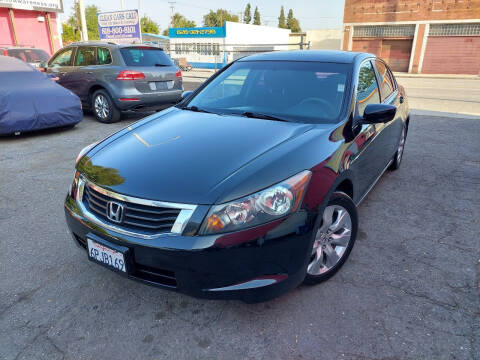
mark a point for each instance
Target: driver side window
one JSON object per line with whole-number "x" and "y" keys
{"x": 62, "y": 59}
{"x": 367, "y": 90}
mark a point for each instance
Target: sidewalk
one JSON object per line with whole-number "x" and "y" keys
{"x": 437, "y": 76}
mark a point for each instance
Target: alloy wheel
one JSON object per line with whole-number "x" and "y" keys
{"x": 102, "y": 107}
{"x": 331, "y": 240}
{"x": 401, "y": 147}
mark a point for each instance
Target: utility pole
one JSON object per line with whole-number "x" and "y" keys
{"x": 122, "y": 4}
{"x": 83, "y": 22}
{"x": 172, "y": 7}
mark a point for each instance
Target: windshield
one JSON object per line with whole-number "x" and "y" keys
{"x": 310, "y": 92}
{"x": 29, "y": 55}
{"x": 145, "y": 56}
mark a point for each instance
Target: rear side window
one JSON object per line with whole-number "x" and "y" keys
{"x": 145, "y": 56}
{"x": 385, "y": 80}
{"x": 85, "y": 56}
{"x": 104, "y": 56}
{"x": 29, "y": 55}
{"x": 63, "y": 58}
{"x": 367, "y": 90}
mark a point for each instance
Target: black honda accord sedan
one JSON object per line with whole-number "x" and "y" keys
{"x": 249, "y": 186}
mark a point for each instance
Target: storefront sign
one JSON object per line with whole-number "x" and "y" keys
{"x": 199, "y": 32}
{"x": 119, "y": 26}
{"x": 42, "y": 5}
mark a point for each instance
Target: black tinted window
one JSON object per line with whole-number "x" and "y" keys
{"x": 145, "y": 56}
{"x": 104, "y": 56}
{"x": 367, "y": 91}
{"x": 310, "y": 92}
{"x": 386, "y": 85}
{"x": 85, "y": 56}
{"x": 63, "y": 58}
{"x": 29, "y": 55}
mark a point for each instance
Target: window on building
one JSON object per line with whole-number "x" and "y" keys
{"x": 63, "y": 58}
{"x": 367, "y": 90}
{"x": 454, "y": 29}
{"x": 104, "y": 56}
{"x": 387, "y": 86}
{"x": 85, "y": 56}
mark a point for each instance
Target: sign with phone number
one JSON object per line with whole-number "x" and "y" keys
{"x": 119, "y": 26}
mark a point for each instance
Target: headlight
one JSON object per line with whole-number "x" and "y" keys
{"x": 85, "y": 150}
{"x": 259, "y": 208}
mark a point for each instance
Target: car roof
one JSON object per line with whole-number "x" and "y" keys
{"x": 332, "y": 56}
{"x": 109, "y": 44}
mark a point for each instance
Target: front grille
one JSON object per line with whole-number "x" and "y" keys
{"x": 136, "y": 217}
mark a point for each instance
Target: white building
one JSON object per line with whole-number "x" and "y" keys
{"x": 213, "y": 47}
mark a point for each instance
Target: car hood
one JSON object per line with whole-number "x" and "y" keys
{"x": 181, "y": 156}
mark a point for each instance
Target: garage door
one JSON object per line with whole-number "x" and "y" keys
{"x": 373, "y": 46}
{"x": 396, "y": 52}
{"x": 452, "y": 55}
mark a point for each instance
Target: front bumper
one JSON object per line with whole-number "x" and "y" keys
{"x": 253, "y": 265}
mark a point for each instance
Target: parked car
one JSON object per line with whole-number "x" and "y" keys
{"x": 30, "y": 100}
{"x": 250, "y": 185}
{"x": 31, "y": 55}
{"x": 111, "y": 78}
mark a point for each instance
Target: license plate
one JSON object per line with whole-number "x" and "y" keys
{"x": 152, "y": 85}
{"x": 107, "y": 256}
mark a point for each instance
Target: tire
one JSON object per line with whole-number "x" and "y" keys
{"x": 103, "y": 107}
{"x": 397, "y": 158}
{"x": 334, "y": 239}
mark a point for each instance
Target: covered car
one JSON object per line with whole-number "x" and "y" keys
{"x": 30, "y": 100}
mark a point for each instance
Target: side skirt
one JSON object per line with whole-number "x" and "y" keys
{"x": 373, "y": 184}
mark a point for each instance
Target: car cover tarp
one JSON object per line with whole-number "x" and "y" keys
{"x": 30, "y": 100}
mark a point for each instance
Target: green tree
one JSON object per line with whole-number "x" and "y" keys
{"x": 91, "y": 19}
{"x": 282, "y": 23}
{"x": 247, "y": 15}
{"x": 71, "y": 29}
{"x": 181, "y": 21}
{"x": 69, "y": 33}
{"x": 292, "y": 23}
{"x": 218, "y": 18}
{"x": 149, "y": 26}
{"x": 256, "y": 17}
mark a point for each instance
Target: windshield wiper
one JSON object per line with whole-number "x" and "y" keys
{"x": 258, "y": 115}
{"x": 161, "y": 65}
{"x": 196, "y": 109}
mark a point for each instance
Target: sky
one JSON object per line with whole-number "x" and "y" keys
{"x": 312, "y": 14}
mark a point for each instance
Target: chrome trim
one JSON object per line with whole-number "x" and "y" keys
{"x": 177, "y": 228}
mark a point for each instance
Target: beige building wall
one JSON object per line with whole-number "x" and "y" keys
{"x": 328, "y": 39}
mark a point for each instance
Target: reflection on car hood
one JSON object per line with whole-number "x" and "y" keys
{"x": 181, "y": 156}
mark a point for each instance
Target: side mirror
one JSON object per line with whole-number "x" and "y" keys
{"x": 186, "y": 94}
{"x": 43, "y": 66}
{"x": 379, "y": 113}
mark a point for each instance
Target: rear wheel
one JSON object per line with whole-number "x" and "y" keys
{"x": 397, "y": 158}
{"x": 334, "y": 238}
{"x": 103, "y": 107}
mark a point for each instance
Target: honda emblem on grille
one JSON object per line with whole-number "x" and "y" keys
{"x": 115, "y": 211}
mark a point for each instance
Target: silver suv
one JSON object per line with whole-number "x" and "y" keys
{"x": 110, "y": 78}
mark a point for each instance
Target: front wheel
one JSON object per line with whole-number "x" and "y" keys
{"x": 103, "y": 107}
{"x": 334, "y": 238}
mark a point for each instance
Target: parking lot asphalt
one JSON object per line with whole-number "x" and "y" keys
{"x": 410, "y": 289}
